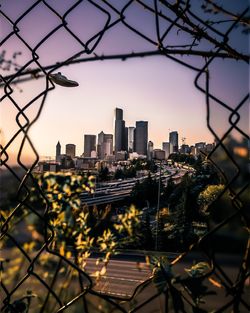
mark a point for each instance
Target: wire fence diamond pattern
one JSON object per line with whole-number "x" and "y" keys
{"x": 181, "y": 17}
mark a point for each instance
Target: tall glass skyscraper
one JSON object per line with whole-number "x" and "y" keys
{"x": 141, "y": 137}
{"x": 89, "y": 145}
{"x": 173, "y": 140}
{"x": 119, "y": 130}
{"x": 131, "y": 132}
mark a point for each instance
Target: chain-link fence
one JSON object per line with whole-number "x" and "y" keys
{"x": 212, "y": 31}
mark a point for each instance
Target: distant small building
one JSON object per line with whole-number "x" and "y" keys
{"x": 185, "y": 149}
{"x": 135, "y": 155}
{"x": 199, "y": 146}
{"x": 70, "y": 150}
{"x": 121, "y": 156}
{"x": 192, "y": 150}
{"x": 159, "y": 154}
{"x": 66, "y": 162}
{"x": 48, "y": 166}
{"x": 85, "y": 163}
{"x": 209, "y": 147}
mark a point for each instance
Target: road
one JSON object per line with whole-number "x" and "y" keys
{"x": 115, "y": 191}
{"x": 123, "y": 276}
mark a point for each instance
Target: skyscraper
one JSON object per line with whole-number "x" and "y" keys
{"x": 119, "y": 130}
{"x": 131, "y": 131}
{"x": 89, "y": 145}
{"x": 125, "y": 139}
{"x": 141, "y": 137}
{"x": 166, "y": 148}
{"x": 58, "y": 151}
{"x": 173, "y": 140}
{"x": 70, "y": 150}
{"x": 150, "y": 150}
{"x": 105, "y": 145}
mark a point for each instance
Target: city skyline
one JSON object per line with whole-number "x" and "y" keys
{"x": 154, "y": 89}
{"x": 95, "y": 144}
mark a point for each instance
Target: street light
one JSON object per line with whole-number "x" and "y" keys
{"x": 62, "y": 80}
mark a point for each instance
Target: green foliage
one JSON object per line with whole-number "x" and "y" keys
{"x": 187, "y": 203}
{"x": 145, "y": 191}
{"x": 183, "y": 158}
{"x": 208, "y": 196}
{"x": 103, "y": 173}
{"x": 119, "y": 174}
{"x": 81, "y": 229}
{"x": 140, "y": 165}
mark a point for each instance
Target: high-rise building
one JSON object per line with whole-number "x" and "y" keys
{"x": 131, "y": 131}
{"x": 125, "y": 140}
{"x": 166, "y": 148}
{"x": 119, "y": 131}
{"x": 89, "y": 145}
{"x": 173, "y": 140}
{"x": 150, "y": 150}
{"x": 105, "y": 145}
{"x": 58, "y": 151}
{"x": 70, "y": 150}
{"x": 141, "y": 137}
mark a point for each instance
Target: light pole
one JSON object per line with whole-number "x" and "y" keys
{"x": 158, "y": 210}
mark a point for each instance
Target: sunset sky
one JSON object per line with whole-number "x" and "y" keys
{"x": 154, "y": 89}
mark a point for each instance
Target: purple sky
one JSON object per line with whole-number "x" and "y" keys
{"x": 155, "y": 89}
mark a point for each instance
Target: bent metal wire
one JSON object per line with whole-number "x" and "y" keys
{"x": 179, "y": 16}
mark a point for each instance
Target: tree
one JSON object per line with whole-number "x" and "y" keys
{"x": 119, "y": 174}
{"x": 103, "y": 173}
{"x": 145, "y": 191}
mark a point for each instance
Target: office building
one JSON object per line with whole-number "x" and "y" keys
{"x": 159, "y": 154}
{"x": 121, "y": 156}
{"x": 105, "y": 145}
{"x": 58, "y": 151}
{"x": 125, "y": 139}
{"x": 119, "y": 131}
{"x": 150, "y": 150}
{"x": 89, "y": 145}
{"x": 131, "y": 131}
{"x": 70, "y": 150}
{"x": 199, "y": 146}
{"x": 173, "y": 140}
{"x": 141, "y": 137}
{"x": 166, "y": 148}
{"x": 185, "y": 149}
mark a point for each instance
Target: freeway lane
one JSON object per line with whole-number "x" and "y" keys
{"x": 116, "y": 191}
{"x": 122, "y": 277}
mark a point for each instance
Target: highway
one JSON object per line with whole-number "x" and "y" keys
{"x": 109, "y": 192}
{"x": 123, "y": 277}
